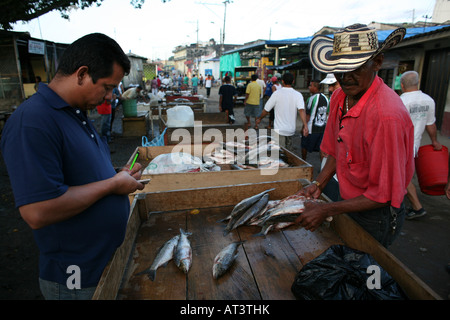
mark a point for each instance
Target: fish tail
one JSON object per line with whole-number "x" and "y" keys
{"x": 152, "y": 275}
{"x": 185, "y": 232}
{"x": 259, "y": 234}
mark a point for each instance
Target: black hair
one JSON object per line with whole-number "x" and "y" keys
{"x": 254, "y": 77}
{"x": 96, "y": 51}
{"x": 288, "y": 78}
{"x": 227, "y": 79}
{"x": 317, "y": 84}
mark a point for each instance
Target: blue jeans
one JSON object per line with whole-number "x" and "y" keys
{"x": 106, "y": 126}
{"x": 56, "y": 291}
{"x": 380, "y": 222}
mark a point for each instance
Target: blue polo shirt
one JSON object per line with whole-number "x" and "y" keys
{"x": 47, "y": 147}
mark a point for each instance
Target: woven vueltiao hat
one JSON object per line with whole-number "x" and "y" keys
{"x": 350, "y": 48}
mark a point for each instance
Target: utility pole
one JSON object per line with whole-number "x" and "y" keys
{"x": 224, "y": 20}
{"x": 222, "y": 38}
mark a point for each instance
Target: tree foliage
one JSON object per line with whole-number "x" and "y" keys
{"x": 12, "y": 11}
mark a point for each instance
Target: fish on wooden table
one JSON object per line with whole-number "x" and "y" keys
{"x": 225, "y": 259}
{"x": 285, "y": 213}
{"x": 183, "y": 252}
{"x": 164, "y": 255}
{"x": 251, "y": 212}
{"x": 241, "y": 208}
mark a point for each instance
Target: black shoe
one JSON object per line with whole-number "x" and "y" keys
{"x": 412, "y": 214}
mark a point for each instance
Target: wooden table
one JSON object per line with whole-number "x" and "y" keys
{"x": 265, "y": 267}
{"x": 262, "y": 261}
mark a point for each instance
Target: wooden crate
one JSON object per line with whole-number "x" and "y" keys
{"x": 299, "y": 169}
{"x": 161, "y": 108}
{"x": 214, "y": 122}
{"x": 265, "y": 267}
{"x": 135, "y": 126}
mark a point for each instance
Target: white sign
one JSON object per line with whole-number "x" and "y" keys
{"x": 37, "y": 47}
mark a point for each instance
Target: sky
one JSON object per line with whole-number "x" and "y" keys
{"x": 156, "y": 29}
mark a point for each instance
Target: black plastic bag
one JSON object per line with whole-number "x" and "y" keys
{"x": 341, "y": 273}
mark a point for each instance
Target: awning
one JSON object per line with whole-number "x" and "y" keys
{"x": 229, "y": 62}
{"x": 300, "y": 64}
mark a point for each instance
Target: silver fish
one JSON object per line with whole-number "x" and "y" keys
{"x": 285, "y": 213}
{"x": 241, "y": 208}
{"x": 252, "y": 211}
{"x": 225, "y": 258}
{"x": 164, "y": 255}
{"x": 288, "y": 214}
{"x": 183, "y": 252}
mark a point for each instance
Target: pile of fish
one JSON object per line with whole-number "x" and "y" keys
{"x": 260, "y": 152}
{"x": 258, "y": 210}
{"x": 177, "y": 248}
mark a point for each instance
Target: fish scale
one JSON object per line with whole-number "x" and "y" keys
{"x": 241, "y": 208}
{"x": 183, "y": 252}
{"x": 164, "y": 255}
{"x": 225, "y": 258}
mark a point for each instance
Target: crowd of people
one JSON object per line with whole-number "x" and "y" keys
{"x": 77, "y": 203}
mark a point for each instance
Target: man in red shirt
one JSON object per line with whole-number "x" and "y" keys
{"x": 104, "y": 110}
{"x": 369, "y": 136}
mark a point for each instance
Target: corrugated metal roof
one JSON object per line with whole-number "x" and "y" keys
{"x": 382, "y": 35}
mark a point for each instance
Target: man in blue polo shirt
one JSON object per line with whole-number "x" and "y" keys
{"x": 61, "y": 173}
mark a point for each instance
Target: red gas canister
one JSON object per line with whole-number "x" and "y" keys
{"x": 432, "y": 169}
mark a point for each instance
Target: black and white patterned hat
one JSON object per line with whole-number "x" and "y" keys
{"x": 350, "y": 48}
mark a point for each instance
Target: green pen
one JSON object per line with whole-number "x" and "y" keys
{"x": 134, "y": 160}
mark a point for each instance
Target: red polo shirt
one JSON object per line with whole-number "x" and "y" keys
{"x": 372, "y": 144}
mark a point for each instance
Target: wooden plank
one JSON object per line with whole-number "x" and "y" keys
{"x": 199, "y": 198}
{"x": 204, "y": 117}
{"x": 170, "y": 282}
{"x": 207, "y": 241}
{"x": 135, "y": 126}
{"x": 356, "y": 237}
{"x": 175, "y": 181}
{"x": 273, "y": 261}
{"x": 200, "y": 133}
{"x": 308, "y": 245}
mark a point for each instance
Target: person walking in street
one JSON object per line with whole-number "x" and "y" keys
{"x": 369, "y": 136}
{"x": 316, "y": 116}
{"x": 421, "y": 109}
{"x": 267, "y": 95}
{"x": 227, "y": 99}
{"x": 66, "y": 188}
{"x": 251, "y": 101}
{"x": 263, "y": 87}
{"x": 286, "y": 102}
{"x": 208, "y": 85}
{"x": 194, "y": 81}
